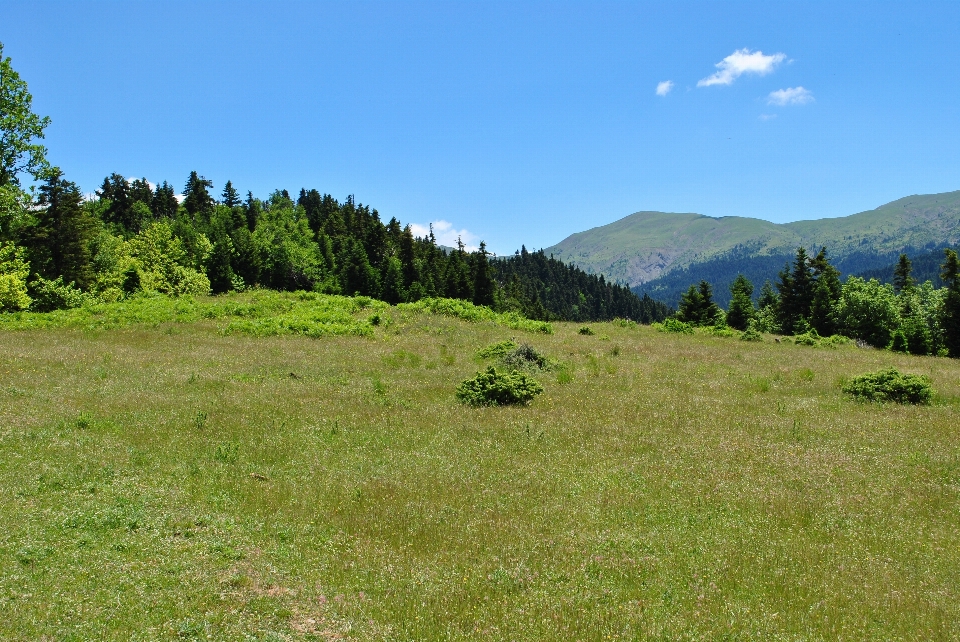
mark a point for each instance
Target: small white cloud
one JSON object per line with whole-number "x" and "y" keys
{"x": 740, "y": 62}
{"x": 663, "y": 88}
{"x": 130, "y": 180}
{"x": 446, "y": 234}
{"x": 767, "y": 116}
{"x": 791, "y": 96}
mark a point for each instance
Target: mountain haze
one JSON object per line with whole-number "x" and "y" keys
{"x": 646, "y": 247}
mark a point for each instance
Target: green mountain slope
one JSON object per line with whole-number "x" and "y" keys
{"x": 647, "y": 245}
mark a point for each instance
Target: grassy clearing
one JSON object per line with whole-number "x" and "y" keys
{"x": 169, "y": 479}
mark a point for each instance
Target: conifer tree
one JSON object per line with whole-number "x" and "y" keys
{"x": 825, "y": 294}
{"x": 196, "y": 198}
{"x": 902, "y": 280}
{"x": 950, "y": 315}
{"x": 164, "y": 204}
{"x": 230, "y": 197}
{"x": 483, "y": 285}
{"x": 741, "y": 305}
{"x": 59, "y": 242}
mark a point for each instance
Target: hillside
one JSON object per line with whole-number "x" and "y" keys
{"x": 645, "y": 246}
{"x": 171, "y": 473}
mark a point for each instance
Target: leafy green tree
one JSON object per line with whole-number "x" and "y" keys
{"x": 20, "y": 128}
{"x": 14, "y": 271}
{"x": 868, "y": 310}
{"x": 950, "y": 316}
{"x": 163, "y": 264}
{"x": 741, "y": 304}
{"x": 902, "y": 280}
{"x": 59, "y": 241}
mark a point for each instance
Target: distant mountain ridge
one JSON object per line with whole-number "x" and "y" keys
{"x": 648, "y": 246}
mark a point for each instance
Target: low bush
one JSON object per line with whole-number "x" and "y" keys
{"x": 525, "y": 356}
{"x": 476, "y": 313}
{"x": 752, "y": 333}
{"x": 498, "y": 388}
{"x": 55, "y": 295}
{"x": 890, "y": 385}
{"x": 585, "y": 330}
{"x": 497, "y": 350}
{"x": 674, "y": 325}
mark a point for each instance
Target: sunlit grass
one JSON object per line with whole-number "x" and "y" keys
{"x": 168, "y": 479}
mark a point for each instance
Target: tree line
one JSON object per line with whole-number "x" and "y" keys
{"x": 60, "y": 250}
{"x": 808, "y": 297}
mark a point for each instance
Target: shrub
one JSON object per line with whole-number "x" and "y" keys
{"x": 751, "y": 333}
{"x": 14, "y": 271}
{"x": 890, "y": 385}
{"x": 498, "y": 388}
{"x": 497, "y": 350}
{"x": 674, "y": 325}
{"x": 525, "y": 356}
{"x": 807, "y": 339}
{"x": 55, "y": 295}
{"x": 585, "y": 330}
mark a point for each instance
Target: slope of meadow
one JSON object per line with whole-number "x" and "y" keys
{"x": 165, "y": 477}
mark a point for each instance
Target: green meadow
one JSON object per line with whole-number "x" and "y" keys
{"x": 267, "y": 466}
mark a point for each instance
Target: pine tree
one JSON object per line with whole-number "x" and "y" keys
{"x": 950, "y": 315}
{"x": 825, "y": 294}
{"x": 741, "y": 305}
{"x": 59, "y": 242}
{"x": 768, "y": 296}
{"x": 164, "y": 204}
{"x": 902, "y": 280}
{"x": 483, "y": 285}
{"x": 230, "y": 197}
{"x": 796, "y": 293}
{"x": 196, "y": 198}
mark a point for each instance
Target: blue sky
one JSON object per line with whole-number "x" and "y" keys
{"x": 517, "y": 123}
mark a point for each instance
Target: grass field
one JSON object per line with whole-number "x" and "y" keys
{"x": 164, "y": 477}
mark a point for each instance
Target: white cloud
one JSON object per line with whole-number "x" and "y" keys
{"x": 791, "y": 96}
{"x": 740, "y": 62}
{"x": 446, "y": 234}
{"x": 663, "y": 88}
{"x": 767, "y": 116}
{"x": 152, "y": 185}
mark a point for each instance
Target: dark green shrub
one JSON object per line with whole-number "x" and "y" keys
{"x": 498, "y": 388}
{"x": 585, "y": 330}
{"x": 525, "y": 356}
{"x": 891, "y": 385}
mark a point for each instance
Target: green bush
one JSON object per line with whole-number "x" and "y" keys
{"x": 498, "y": 388}
{"x": 674, "y": 325}
{"x": 525, "y": 356}
{"x": 891, "y": 385}
{"x": 55, "y": 295}
{"x": 752, "y": 333}
{"x": 497, "y": 350}
{"x": 585, "y": 330}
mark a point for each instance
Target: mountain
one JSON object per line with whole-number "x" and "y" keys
{"x": 661, "y": 253}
